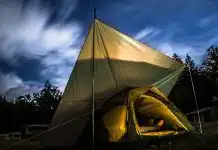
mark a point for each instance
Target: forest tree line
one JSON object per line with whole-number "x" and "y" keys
{"x": 38, "y": 108}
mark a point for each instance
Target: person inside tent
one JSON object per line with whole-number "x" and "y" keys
{"x": 147, "y": 123}
{"x": 152, "y": 125}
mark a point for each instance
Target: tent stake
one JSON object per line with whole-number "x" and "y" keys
{"x": 196, "y": 103}
{"x": 93, "y": 83}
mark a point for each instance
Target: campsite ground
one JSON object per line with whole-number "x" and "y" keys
{"x": 208, "y": 141}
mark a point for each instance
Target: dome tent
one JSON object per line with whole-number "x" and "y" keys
{"x": 120, "y": 118}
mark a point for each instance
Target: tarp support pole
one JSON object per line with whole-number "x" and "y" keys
{"x": 93, "y": 83}
{"x": 196, "y": 103}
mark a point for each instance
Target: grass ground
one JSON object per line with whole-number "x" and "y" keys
{"x": 207, "y": 141}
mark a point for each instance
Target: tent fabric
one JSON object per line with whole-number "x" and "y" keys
{"x": 152, "y": 107}
{"x": 157, "y": 106}
{"x": 119, "y": 62}
{"x": 167, "y": 83}
{"x": 152, "y": 103}
{"x": 115, "y": 122}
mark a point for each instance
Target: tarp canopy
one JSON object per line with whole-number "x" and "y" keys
{"x": 119, "y": 62}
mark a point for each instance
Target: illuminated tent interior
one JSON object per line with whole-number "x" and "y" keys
{"x": 131, "y": 84}
{"x": 142, "y": 105}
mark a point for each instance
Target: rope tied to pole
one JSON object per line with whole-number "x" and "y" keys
{"x": 195, "y": 98}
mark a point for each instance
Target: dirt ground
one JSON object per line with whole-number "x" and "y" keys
{"x": 207, "y": 141}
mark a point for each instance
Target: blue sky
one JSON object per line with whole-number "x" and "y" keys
{"x": 40, "y": 39}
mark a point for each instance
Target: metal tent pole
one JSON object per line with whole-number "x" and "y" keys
{"x": 196, "y": 103}
{"x": 93, "y": 83}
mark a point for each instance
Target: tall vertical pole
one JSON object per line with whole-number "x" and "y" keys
{"x": 196, "y": 103}
{"x": 93, "y": 84}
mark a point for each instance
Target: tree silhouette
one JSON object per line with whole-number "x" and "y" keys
{"x": 3, "y": 101}
{"x": 210, "y": 64}
{"x": 33, "y": 108}
{"x": 177, "y": 57}
{"x": 190, "y": 65}
{"x": 47, "y": 101}
{"x": 182, "y": 93}
{"x": 209, "y": 69}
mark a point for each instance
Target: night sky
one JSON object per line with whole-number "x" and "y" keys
{"x": 40, "y": 39}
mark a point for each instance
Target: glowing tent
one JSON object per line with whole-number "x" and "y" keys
{"x": 119, "y": 63}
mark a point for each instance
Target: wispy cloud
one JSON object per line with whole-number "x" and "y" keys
{"x": 173, "y": 39}
{"x": 13, "y": 86}
{"x": 60, "y": 74}
{"x": 166, "y": 48}
{"x": 13, "y": 93}
{"x": 9, "y": 80}
{"x": 208, "y": 20}
{"x": 147, "y": 33}
{"x": 182, "y": 50}
{"x": 24, "y": 32}
{"x": 28, "y": 32}
{"x": 163, "y": 40}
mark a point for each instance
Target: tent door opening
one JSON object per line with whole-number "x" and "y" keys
{"x": 147, "y": 123}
